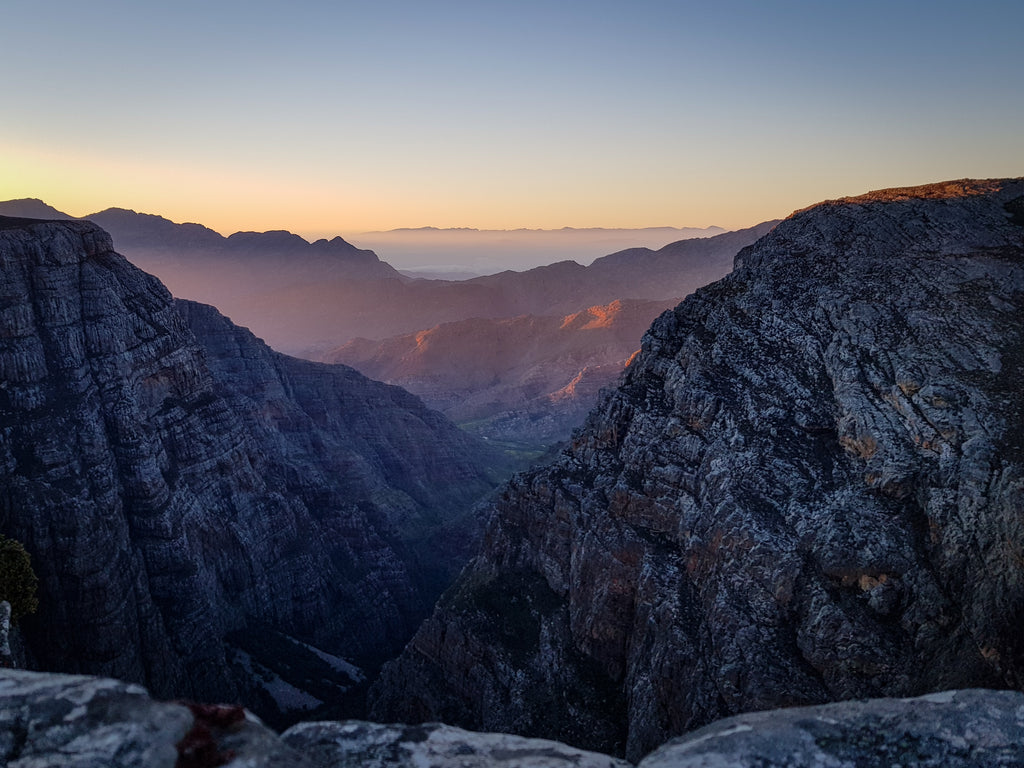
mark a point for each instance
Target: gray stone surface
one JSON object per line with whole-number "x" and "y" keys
{"x": 6, "y": 657}
{"x": 952, "y": 729}
{"x": 807, "y": 488}
{"x": 66, "y": 720}
{"x": 195, "y": 506}
{"x": 72, "y": 721}
{"x": 372, "y": 745}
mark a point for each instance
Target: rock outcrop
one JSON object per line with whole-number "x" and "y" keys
{"x": 87, "y": 722}
{"x": 949, "y": 729}
{"x": 807, "y": 488}
{"x": 206, "y": 516}
{"x": 373, "y": 745}
{"x": 49, "y": 720}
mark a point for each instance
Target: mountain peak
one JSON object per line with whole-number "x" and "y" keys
{"x": 30, "y": 208}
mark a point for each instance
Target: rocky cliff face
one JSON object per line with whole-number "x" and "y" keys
{"x": 205, "y": 515}
{"x": 808, "y": 487}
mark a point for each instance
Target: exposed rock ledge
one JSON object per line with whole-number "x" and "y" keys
{"x": 90, "y": 722}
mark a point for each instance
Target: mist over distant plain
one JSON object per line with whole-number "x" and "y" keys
{"x": 472, "y": 252}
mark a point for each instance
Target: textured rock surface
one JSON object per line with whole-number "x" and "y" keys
{"x": 371, "y": 745}
{"x": 530, "y": 379}
{"x": 86, "y": 722}
{"x": 200, "y": 515}
{"x": 51, "y": 721}
{"x": 952, "y": 729}
{"x": 808, "y": 488}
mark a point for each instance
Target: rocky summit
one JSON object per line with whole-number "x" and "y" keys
{"x": 206, "y": 516}
{"x": 807, "y": 488}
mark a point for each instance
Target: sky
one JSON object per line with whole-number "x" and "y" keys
{"x": 342, "y": 117}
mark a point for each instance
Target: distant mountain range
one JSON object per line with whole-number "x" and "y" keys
{"x": 304, "y": 298}
{"x": 485, "y": 251}
{"x": 310, "y": 299}
{"x": 523, "y": 378}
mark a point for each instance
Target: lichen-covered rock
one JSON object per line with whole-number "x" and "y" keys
{"x": 58, "y": 720}
{"x": 807, "y": 488}
{"x": 72, "y": 721}
{"x": 208, "y": 517}
{"x": 372, "y": 745}
{"x": 952, "y": 729}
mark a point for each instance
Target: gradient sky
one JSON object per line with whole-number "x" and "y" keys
{"x": 327, "y": 117}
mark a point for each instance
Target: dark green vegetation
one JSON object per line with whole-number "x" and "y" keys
{"x": 18, "y": 582}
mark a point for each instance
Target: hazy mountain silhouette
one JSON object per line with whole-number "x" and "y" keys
{"x": 30, "y": 208}
{"x": 529, "y": 378}
{"x": 305, "y": 298}
{"x": 346, "y": 309}
{"x": 485, "y": 251}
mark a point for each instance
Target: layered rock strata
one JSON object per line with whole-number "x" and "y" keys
{"x": 205, "y": 515}
{"x": 807, "y": 488}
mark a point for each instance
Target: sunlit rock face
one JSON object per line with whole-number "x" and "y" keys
{"x": 808, "y": 487}
{"x": 197, "y": 506}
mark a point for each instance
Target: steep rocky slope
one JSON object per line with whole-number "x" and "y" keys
{"x": 808, "y": 487}
{"x": 207, "y": 516}
{"x": 530, "y": 379}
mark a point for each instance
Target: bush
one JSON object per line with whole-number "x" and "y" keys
{"x": 18, "y": 581}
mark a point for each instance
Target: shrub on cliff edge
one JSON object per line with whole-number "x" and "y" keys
{"x": 18, "y": 581}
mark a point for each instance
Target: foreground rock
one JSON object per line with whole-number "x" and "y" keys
{"x": 952, "y": 729}
{"x": 371, "y": 745}
{"x": 53, "y": 721}
{"x": 86, "y": 722}
{"x": 807, "y": 488}
{"x": 206, "y": 516}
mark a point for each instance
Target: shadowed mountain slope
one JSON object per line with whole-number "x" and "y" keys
{"x": 199, "y": 508}
{"x": 808, "y": 487}
{"x": 528, "y": 378}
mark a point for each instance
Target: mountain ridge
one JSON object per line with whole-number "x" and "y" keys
{"x": 527, "y": 379}
{"x": 310, "y": 306}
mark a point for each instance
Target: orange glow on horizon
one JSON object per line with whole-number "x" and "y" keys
{"x": 228, "y": 201}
